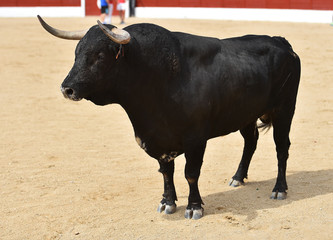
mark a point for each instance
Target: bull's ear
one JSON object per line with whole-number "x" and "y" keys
{"x": 71, "y": 35}
{"x": 117, "y": 35}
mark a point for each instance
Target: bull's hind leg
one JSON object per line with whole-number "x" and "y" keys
{"x": 250, "y": 134}
{"x": 168, "y": 204}
{"x": 281, "y": 126}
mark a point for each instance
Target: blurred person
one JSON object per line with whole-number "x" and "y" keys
{"x": 110, "y": 12}
{"x": 121, "y": 8}
{"x": 104, "y": 10}
{"x": 132, "y": 8}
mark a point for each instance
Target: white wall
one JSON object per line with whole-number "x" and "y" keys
{"x": 280, "y": 15}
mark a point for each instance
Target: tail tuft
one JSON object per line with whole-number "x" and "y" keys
{"x": 266, "y": 122}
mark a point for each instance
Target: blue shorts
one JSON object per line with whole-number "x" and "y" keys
{"x": 105, "y": 9}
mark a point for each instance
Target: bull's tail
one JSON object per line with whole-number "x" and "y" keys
{"x": 290, "y": 82}
{"x": 266, "y": 122}
{"x": 267, "y": 118}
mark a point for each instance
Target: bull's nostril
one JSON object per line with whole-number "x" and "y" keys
{"x": 69, "y": 91}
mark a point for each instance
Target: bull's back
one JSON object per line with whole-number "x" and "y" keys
{"x": 237, "y": 82}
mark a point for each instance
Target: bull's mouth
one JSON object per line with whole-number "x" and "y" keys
{"x": 70, "y": 94}
{"x": 76, "y": 99}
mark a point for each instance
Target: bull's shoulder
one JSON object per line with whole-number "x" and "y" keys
{"x": 195, "y": 47}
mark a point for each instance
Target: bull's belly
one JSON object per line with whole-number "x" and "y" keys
{"x": 226, "y": 124}
{"x": 166, "y": 143}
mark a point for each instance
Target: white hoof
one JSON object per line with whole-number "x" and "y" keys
{"x": 235, "y": 183}
{"x": 167, "y": 209}
{"x": 194, "y": 214}
{"x": 279, "y": 195}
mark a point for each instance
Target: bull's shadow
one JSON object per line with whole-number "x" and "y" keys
{"x": 246, "y": 200}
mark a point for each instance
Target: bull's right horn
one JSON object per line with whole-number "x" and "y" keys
{"x": 117, "y": 35}
{"x": 71, "y": 35}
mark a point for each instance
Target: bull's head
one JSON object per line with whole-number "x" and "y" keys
{"x": 91, "y": 76}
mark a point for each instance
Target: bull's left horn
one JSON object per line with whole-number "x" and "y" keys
{"x": 71, "y": 35}
{"x": 117, "y": 35}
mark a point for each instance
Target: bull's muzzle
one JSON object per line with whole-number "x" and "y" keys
{"x": 69, "y": 93}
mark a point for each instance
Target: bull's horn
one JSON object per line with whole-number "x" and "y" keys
{"x": 71, "y": 35}
{"x": 117, "y": 35}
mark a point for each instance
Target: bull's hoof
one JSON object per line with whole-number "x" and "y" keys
{"x": 167, "y": 209}
{"x": 235, "y": 183}
{"x": 279, "y": 195}
{"x": 194, "y": 214}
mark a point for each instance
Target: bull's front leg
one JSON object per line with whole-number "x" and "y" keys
{"x": 194, "y": 158}
{"x": 168, "y": 204}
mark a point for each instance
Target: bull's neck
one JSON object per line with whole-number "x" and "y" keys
{"x": 140, "y": 107}
{"x": 142, "y": 99}
{"x": 142, "y": 87}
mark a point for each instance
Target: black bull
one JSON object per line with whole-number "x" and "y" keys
{"x": 179, "y": 90}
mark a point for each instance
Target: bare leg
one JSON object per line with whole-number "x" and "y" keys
{"x": 103, "y": 15}
{"x": 122, "y": 16}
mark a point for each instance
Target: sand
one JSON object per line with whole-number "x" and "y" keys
{"x": 73, "y": 170}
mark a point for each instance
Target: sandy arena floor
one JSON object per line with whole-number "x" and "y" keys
{"x": 74, "y": 171}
